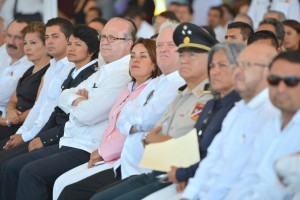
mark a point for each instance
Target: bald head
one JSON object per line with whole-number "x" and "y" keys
{"x": 250, "y": 77}
{"x": 259, "y": 52}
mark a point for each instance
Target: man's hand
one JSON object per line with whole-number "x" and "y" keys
{"x": 154, "y": 137}
{"x": 172, "y": 175}
{"x": 35, "y": 144}
{"x": 181, "y": 186}
{"x": 14, "y": 141}
{"x": 84, "y": 96}
{"x": 94, "y": 157}
{"x": 12, "y": 116}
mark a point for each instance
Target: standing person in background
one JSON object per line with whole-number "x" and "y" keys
{"x": 29, "y": 85}
{"x": 258, "y": 8}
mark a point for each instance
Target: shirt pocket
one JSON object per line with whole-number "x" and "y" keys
{"x": 54, "y": 89}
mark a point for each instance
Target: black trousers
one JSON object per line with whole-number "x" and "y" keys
{"x": 31, "y": 176}
{"x": 87, "y": 187}
{"x": 6, "y": 132}
{"x": 134, "y": 188}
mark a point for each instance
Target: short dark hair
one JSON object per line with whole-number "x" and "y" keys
{"x": 18, "y": 20}
{"x": 218, "y": 9}
{"x": 263, "y": 35}
{"x": 35, "y": 27}
{"x": 89, "y": 37}
{"x": 64, "y": 25}
{"x": 279, "y": 29}
{"x": 292, "y": 24}
{"x": 99, "y": 20}
{"x": 290, "y": 56}
{"x": 132, "y": 12}
{"x": 168, "y": 15}
{"x": 246, "y": 29}
{"x": 98, "y": 10}
{"x": 190, "y": 8}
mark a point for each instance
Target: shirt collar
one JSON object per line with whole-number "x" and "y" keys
{"x": 173, "y": 76}
{"x": 23, "y": 59}
{"x": 259, "y": 99}
{"x": 116, "y": 65}
{"x": 229, "y": 98}
{"x": 60, "y": 62}
{"x": 76, "y": 72}
{"x": 131, "y": 86}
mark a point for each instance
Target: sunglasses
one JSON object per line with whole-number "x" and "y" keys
{"x": 289, "y": 81}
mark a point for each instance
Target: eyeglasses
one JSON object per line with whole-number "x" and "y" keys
{"x": 245, "y": 65}
{"x": 290, "y": 81}
{"x": 109, "y": 38}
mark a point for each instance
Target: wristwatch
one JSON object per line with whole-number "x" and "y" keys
{"x": 144, "y": 138}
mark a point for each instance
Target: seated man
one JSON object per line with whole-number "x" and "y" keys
{"x": 193, "y": 45}
{"x": 57, "y": 32}
{"x": 88, "y": 105}
{"x": 220, "y": 59}
{"x": 238, "y": 32}
{"x": 136, "y": 118}
{"x": 14, "y": 65}
{"x": 86, "y": 65}
{"x": 228, "y": 153}
{"x": 279, "y": 137}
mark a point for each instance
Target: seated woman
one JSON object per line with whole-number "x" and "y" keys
{"x": 143, "y": 68}
{"x": 208, "y": 125}
{"x": 82, "y": 50}
{"x": 28, "y": 86}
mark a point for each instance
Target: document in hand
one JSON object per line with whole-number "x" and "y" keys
{"x": 179, "y": 152}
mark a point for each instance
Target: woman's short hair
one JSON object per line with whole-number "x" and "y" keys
{"x": 89, "y": 37}
{"x": 35, "y": 27}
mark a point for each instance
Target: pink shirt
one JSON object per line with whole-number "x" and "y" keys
{"x": 112, "y": 141}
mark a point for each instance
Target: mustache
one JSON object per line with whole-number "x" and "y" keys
{"x": 12, "y": 46}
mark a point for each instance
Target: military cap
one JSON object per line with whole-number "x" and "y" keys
{"x": 188, "y": 35}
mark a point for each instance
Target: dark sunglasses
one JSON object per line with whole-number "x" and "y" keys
{"x": 289, "y": 81}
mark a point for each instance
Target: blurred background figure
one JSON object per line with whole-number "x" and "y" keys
{"x": 97, "y": 24}
{"x": 258, "y": 8}
{"x": 136, "y": 14}
{"x": 292, "y": 35}
{"x": 161, "y": 18}
{"x": 92, "y": 13}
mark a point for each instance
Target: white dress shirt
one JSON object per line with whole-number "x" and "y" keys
{"x": 258, "y": 8}
{"x": 89, "y": 118}
{"x": 229, "y": 150}
{"x": 11, "y": 73}
{"x": 47, "y": 100}
{"x": 143, "y": 113}
{"x": 270, "y": 144}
